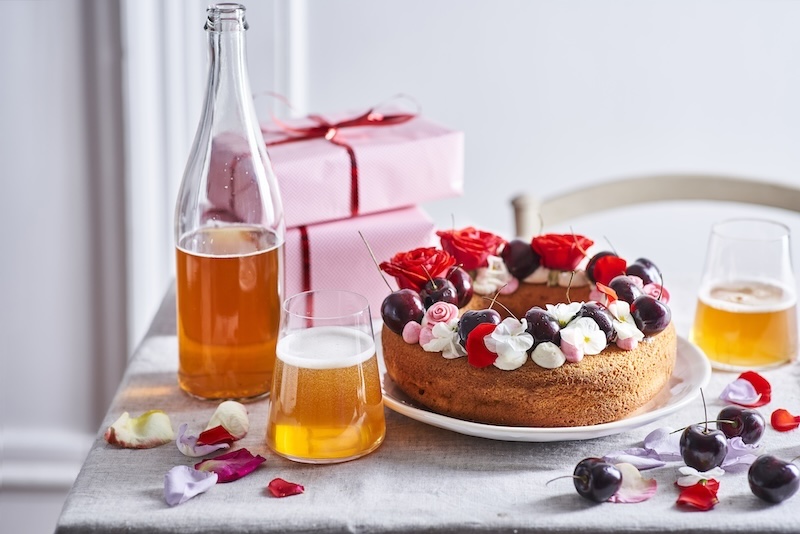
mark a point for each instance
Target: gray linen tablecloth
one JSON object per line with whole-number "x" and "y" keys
{"x": 421, "y": 479}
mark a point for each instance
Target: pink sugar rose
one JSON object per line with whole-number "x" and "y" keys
{"x": 656, "y": 291}
{"x": 440, "y": 312}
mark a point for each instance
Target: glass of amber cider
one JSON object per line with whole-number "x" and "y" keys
{"x": 746, "y": 314}
{"x": 326, "y": 404}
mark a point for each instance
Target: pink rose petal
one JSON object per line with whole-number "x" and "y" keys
{"x": 411, "y": 332}
{"x": 281, "y": 488}
{"x": 187, "y": 444}
{"x": 740, "y": 391}
{"x": 639, "y": 458}
{"x": 232, "y": 466}
{"x": 665, "y": 442}
{"x": 634, "y": 487}
{"x": 181, "y": 483}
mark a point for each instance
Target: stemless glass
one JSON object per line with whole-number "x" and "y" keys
{"x": 747, "y": 308}
{"x": 326, "y": 404}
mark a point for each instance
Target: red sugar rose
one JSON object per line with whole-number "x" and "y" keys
{"x": 562, "y": 252}
{"x": 408, "y": 268}
{"x": 470, "y": 246}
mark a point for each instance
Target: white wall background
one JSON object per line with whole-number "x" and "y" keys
{"x": 551, "y": 95}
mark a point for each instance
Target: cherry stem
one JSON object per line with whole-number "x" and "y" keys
{"x": 501, "y": 305}
{"x": 705, "y": 408}
{"x": 494, "y": 298}
{"x": 576, "y": 477}
{"x": 375, "y": 260}
{"x": 429, "y": 276}
{"x": 569, "y": 286}
{"x": 730, "y": 422}
{"x": 660, "y": 282}
{"x": 614, "y": 250}
{"x": 575, "y": 240}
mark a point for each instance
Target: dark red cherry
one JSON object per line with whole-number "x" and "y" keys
{"x": 520, "y": 259}
{"x": 596, "y": 480}
{"x": 651, "y": 315}
{"x": 644, "y": 269}
{"x": 401, "y": 307}
{"x": 772, "y": 479}
{"x": 438, "y": 290}
{"x": 472, "y": 318}
{"x": 543, "y": 326}
{"x": 703, "y": 449}
{"x": 747, "y": 424}
{"x": 462, "y": 281}
{"x": 593, "y": 262}
{"x": 601, "y": 316}
{"x": 625, "y": 288}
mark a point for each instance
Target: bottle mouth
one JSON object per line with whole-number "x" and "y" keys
{"x": 226, "y": 16}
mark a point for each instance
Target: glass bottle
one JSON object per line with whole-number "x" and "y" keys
{"x": 229, "y": 233}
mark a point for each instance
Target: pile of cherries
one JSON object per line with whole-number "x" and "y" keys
{"x": 405, "y": 305}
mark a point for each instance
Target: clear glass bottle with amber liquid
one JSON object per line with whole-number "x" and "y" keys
{"x": 229, "y": 233}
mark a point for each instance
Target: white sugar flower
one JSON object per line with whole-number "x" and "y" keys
{"x": 624, "y": 325}
{"x": 692, "y": 476}
{"x": 582, "y": 336}
{"x": 564, "y": 312}
{"x": 491, "y": 278}
{"x": 510, "y": 341}
{"x": 445, "y": 340}
{"x": 548, "y": 355}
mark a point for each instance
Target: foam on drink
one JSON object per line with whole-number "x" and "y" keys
{"x": 326, "y": 347}
{"x": 748, "y": 297}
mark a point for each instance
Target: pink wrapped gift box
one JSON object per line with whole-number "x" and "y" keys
{"x": 364, "y": 169}
{"x": 333, "y": 256}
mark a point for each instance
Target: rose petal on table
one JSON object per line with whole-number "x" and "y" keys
{"x": 181, "y": 483}
{"x": 740, "y": 453}
{"x": 215, "y": 435}
{"x": 761, "y": 386}
{"x": 281, "y": 488}
{"x": 783, "y": 421}
{"x": 232, "y": 416}
{"x": 150, "y": 429}
{"x": 692, "y": 476}
{"x": 702, "y": 496}
{"x": 640, "y": 458}
{"x": 665, "y": 442}
{"x": 740, "y": 391}
{"x": 634, "y": 488}
{"x": 233, "y": 465}
{"x": 187, "y": 444}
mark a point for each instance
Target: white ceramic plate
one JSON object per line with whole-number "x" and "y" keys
{"x": 692, "y": 372}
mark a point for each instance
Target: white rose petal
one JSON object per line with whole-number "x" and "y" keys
{"x": 232, "y": 416}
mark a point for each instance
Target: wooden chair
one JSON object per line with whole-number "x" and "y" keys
{"x": 530, "y": 212}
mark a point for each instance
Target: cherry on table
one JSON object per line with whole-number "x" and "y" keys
{"x": 651, "y": 315}
{"x": 520, "y": 258}
{"x": 772, "y": 479}
{"x": 747, "y": 424}
{"x": 703, "y": 449}
{"x": 543, "y": 326}
{"x": 472, "y": 318}
{"x": 462, "y": 281}
{"x": 596, "y": 479}
{"x": 401, "y": 307}
{"x": 438, "y": 290}
{"x": 625, "y": 288}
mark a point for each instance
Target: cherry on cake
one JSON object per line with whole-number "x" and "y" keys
{"x": 525, "y": 333}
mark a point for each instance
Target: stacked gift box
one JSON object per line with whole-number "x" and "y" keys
{"x": 350, "y": 173}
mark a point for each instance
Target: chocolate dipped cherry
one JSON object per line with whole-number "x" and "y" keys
{"x": 644, "y": 269}
{"x": 462, "y": 281}
{"x": 701, "y": 448}
{"x": 401, "y": 307}
{"x": 596, "y": 479}
{"x": 438, "y": 290}
{"x": 625, "y": 288}
{"x": 520, "y": 258}
{"x": 472, "y": 318}
{"x": 601, "y": 316}
{"x": 773, "y": 480}
{"x": 543, "y": 326}
{"x": 745, "y": 423}
{"x": 651, "y": 315}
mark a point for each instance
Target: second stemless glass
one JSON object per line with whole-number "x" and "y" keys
{"x": 326, "y": 404}
{"x": 747, "y": 308}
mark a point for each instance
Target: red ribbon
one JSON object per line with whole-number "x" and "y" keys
{"x": 305, "y": 251}
{"x": 323, "y": 129}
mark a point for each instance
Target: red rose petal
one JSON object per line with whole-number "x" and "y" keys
{"x": 762, "y": 387}
{"x": 280, "y": 488}
{"x": 562, "y": 252}
{"x": 608, "y": 267}
{"x": 217, "y": 434}
{"x": 231, "y": 466}
{"x": 701, "y": 496}
{"x": 607, "y": 291}
{"x": 414, "y": 268}
{"x": 783, "y": 421}
{"x": 469, "y": 246}
{"x": 477, "y": 353}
